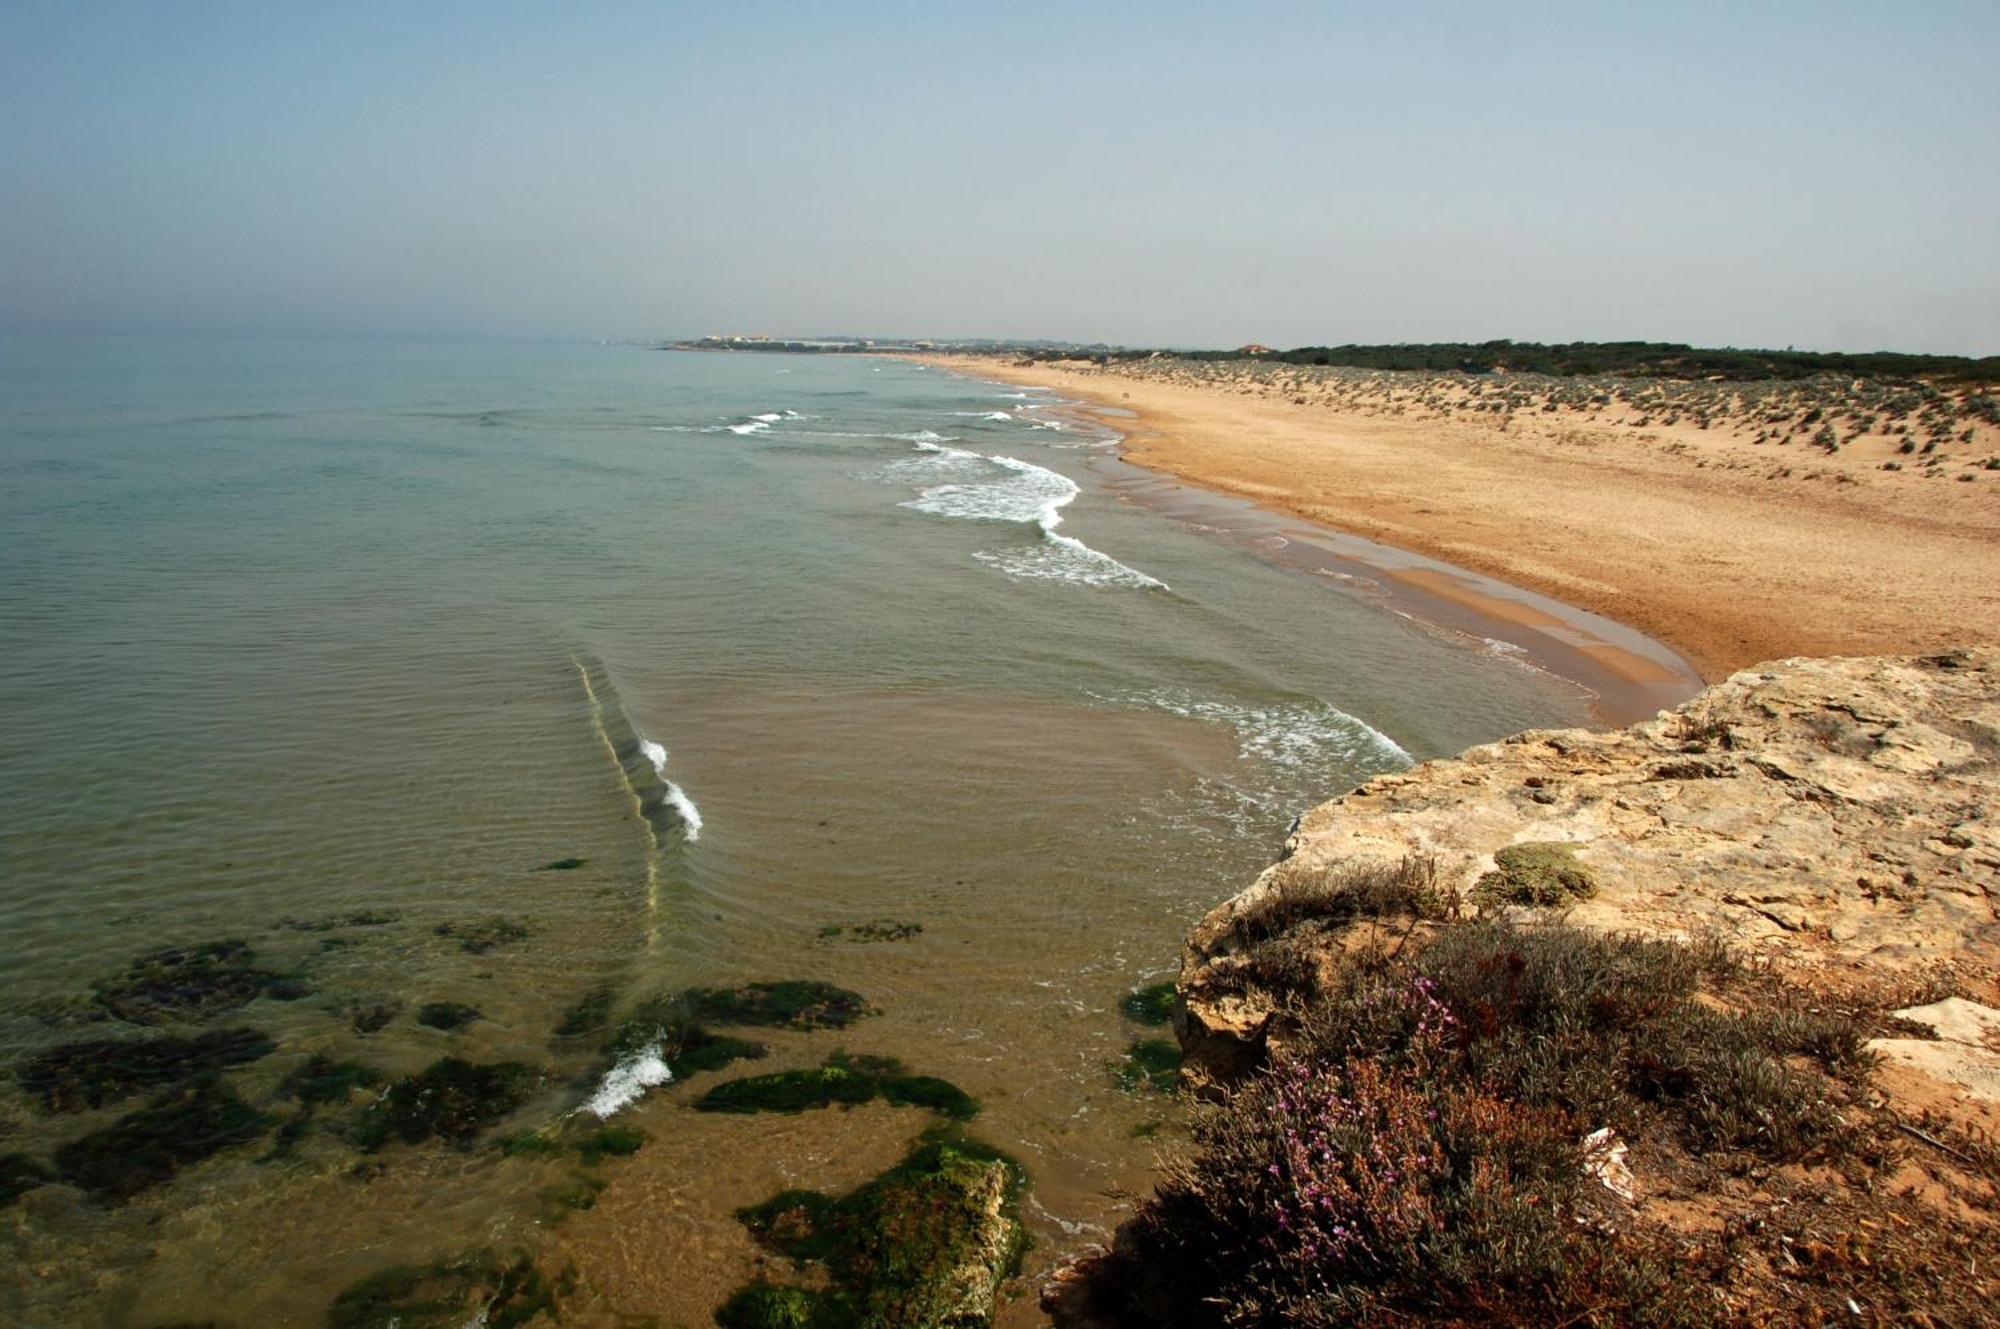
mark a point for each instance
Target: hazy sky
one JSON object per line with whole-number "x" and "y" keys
{"x": 1772, "y": 174}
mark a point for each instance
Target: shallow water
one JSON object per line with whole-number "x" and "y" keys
{"x": 296, "y": 629}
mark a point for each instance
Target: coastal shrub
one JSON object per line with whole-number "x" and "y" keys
{"x": 1151, "y": 1063}
{"x": 483, "y": 935}
{"x": 446, "y": 1015}
{"x": 843, "y": 1080}
{"x": 788, "y": 1004}
{"x": 491, "y": 1291}
{"x": 451, "y": 1099}
{"x": 1153, "y": 1004}
{"x": 1543, "y": 873}
{"x": 91, "y": 1073}
{"x": 191, "y": 983}
{"x": 926, "y": 1243}
{"x": 1334, "y": 896}
{"x": 1417, "y": 1153}
{"x": 142, "y": 1149}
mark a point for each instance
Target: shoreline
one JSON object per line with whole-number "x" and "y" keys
{"x": 1625, "y": 675}
{"x": 1702, "y": 541}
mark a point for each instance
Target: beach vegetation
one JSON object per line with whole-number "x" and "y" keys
{"x": 451, "y": 1099}
{"x": 844, "y": 1080}
{"x": 179, "y": 1128}
{"x": 1542, "y": 873}
{"x": 1151, "y": 1005}
{"x": 1428, "y": 1148}
{"x": 927, "y": 1242}
{"x": 91, "y": 1073}
{"x": 191, "y": 983}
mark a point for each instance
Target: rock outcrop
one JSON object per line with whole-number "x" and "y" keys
{"x": 1824, "y": 813}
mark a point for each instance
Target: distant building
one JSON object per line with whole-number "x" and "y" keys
{"x": 1254, "y": 348}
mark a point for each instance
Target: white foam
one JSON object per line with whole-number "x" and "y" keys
{"x": 689, "y": 813}
{"x": 1034, "y": 494}
{"x": 1296, "y": 735}
{"x": 629, "y": 1079}
{"x": 769, "y": 417}
{"x": 1002, "y": 416}
{"x": 749, "y": 427}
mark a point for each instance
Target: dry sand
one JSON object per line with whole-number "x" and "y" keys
{"x": 1719, "y": 540}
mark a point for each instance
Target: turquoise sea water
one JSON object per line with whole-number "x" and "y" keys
{"x": 773, "y": 644}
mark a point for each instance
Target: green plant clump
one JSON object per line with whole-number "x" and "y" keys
{"x": 191, "y": 983}
{"x": 844, "y": 1080}
{"x": 926, "y": 1243}
{"x": 451, "y": 1099}
{"x": 1543, "y": 873}
{"x": 89, "y": 1074}
{"x": 144, "y": 1148}
{"x": 479, "y": 1289}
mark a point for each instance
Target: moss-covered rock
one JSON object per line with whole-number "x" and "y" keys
{"x": 788, "y": 1004}
{"x": 192, "y": 983}
{"x": 590, "y": 1015}
{"x": 563, "y": 865}
{"x": 446, "y": 1015}
{"x": 666, "y": 1021}
{"x": 1152, "y": 1005}
{"x": 881, "y": 929}
{"x": 144, "y": 1148}
{"x": 927, "y": 1243}
{"x": 844, "y": 1080}
{"x": 493, "y": 1292}
{"x": 93, "y": 1072}
{"x": 373, "y": 1016}
{"x": 452, "y": 1099}
{"x": 594, "y": 1146}
{"x": 1543, "y": 873}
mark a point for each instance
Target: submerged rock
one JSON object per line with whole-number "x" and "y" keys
{"x": 483, "y": 935}
{"x": 452, "y": 1099}
{"x": 482, "y": 1289}
{"x": 1153, "y": 1004}
{"x": 147, "y": 1147}
{"x": 192, "y": 983}
{"x": 446, "y": 1015}
{"x": 928, "y": 1242}
{"x": 844, "y": 1080}
{"x": 88, "y": 1074}
{"x": 20, "y": 1174}
{"x": 323, "y": 1080}
{"x": 1150, "y": 1063}
{"x": 789, "y": 1004}
{"x": 590, "y": 1015}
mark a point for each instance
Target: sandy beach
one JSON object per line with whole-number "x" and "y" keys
{"x": 1698, "y": 524}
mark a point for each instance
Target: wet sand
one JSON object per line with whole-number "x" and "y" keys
{"x": 1730, "y": 551}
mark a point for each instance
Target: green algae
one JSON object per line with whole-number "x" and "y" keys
{"x": 452, "y": 1099}
{"x": 609, "y": 1142}
{"x": 787, "y": 1004}
{"x": 94, "y": 1072}
{"x": 321, "y": 1079}
{"x": 142, "y": 1149}
{"x": 1543, "y": 873}
{"x": 590, "y": 1015}
{"x": 926, "y": 1243}
{"x": 446, "y": 1015}
{"x": 483, "y": 1289}
{"x": 666, "y": 1020}
{"x": 373, "y": 1017}
{"x": 842, "y": 1080}
{"x": 1150, "y": 1063}
{"x": 20, "y": 1174}
{"x": 878, "y": 930}
{"x": 1152, "y": 1005}
{"x": 192, "y": 983}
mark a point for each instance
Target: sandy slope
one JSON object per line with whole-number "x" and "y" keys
{"x": 1733, "y": 551}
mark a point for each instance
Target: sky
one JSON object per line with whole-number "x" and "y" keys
{"x": 1824, "y": 176}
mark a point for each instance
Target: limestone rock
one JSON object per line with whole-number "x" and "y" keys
{"x": 1813, "y": 812}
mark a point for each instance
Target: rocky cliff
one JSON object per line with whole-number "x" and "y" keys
{"x": 1825, "y": 815}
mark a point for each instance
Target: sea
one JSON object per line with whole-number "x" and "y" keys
{"x": 497, "y": 674}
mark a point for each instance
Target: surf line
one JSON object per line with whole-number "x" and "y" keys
{"x": 661, "y": 804}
